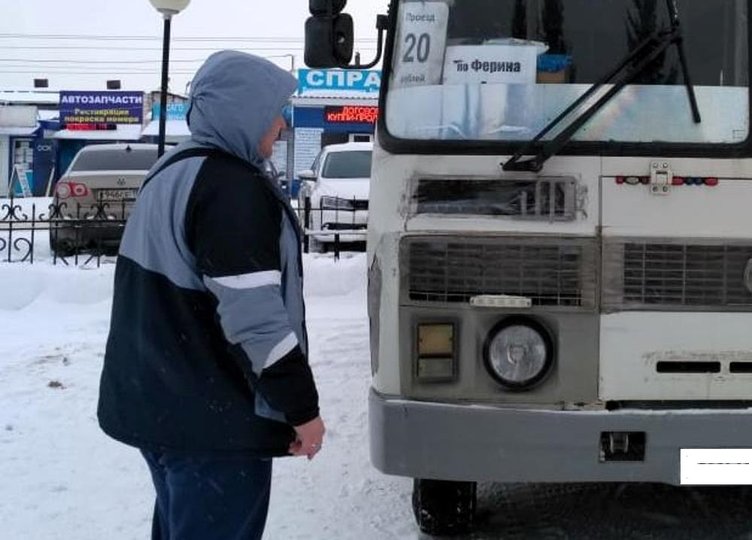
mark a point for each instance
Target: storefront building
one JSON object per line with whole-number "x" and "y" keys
{"x": 331, "y": 107}
{"x": 19, "y": 133}
{"x": 176, "y": 125}
{"x": 88, "y": 117}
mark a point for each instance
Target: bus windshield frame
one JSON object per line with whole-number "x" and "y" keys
{"x": 608, "y": 146}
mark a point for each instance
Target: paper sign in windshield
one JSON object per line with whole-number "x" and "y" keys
{"x": 420, "y": 44}
{"x": 492, "y": 64}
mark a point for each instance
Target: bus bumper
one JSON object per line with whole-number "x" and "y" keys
{"x": 487, "y": 443}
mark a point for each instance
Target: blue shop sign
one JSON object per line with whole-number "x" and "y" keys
{"x": 101, "y": 107}
{"x": 175, "y": 111}
{"x": 316, "y": 80}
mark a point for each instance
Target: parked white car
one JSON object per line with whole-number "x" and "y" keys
{"x": 337, "y": 186}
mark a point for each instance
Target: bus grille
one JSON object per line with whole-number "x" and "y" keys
{"x": 675, "y": 275}
{"x": 550, "y": 272}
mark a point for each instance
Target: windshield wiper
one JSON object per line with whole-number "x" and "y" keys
{"x": 632, "y": 66}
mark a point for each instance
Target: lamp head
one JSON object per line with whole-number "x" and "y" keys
{"x": 170, "y": 7}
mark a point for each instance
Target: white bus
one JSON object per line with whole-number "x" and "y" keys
{"x": 560, "y": 244}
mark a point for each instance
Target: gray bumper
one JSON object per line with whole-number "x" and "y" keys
{"x": 91, "y": 233}
{"x": 486, "y": 443}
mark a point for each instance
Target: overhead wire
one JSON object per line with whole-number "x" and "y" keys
{"x": 93, "y": 43}
{"x": 93, "y": 37}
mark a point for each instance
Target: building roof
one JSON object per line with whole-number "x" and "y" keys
{"x": 18, "y": 131}
{"x": 335, "y": 98}
{"x": 29, "y": 97}
{"x": 174, "y": 128}
{"x": 48, "y": 115}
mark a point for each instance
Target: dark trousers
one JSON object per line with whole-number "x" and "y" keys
{"x": 218, "y": 498}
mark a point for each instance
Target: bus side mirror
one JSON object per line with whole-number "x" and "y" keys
{"x": 329, "y": 35}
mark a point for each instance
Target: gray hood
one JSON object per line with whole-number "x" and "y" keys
{"x": 234, "y": 99}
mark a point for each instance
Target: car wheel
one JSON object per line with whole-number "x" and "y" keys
{"x": 61, "y": 247}
{"x": 112, "y": 251}
{"x": 444, "y": 508}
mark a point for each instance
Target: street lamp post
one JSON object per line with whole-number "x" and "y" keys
{"x": 168, "y": 8}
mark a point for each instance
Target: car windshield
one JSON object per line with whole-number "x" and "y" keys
{"x": 347, "y": 164}
{"x": 503, "y": 69}
{"x": 116, "y": 160}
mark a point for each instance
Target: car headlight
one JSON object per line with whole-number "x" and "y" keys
{"x": 335, "y": 203}
{"x": 519, "y": 353}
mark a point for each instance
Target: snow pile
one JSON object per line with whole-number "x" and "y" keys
{"x": 62, "y": 478}
{"x": 347, "y": 277}
{"x": 60, "y": 284}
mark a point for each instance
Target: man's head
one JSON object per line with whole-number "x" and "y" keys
{"x": 236, "y": 104}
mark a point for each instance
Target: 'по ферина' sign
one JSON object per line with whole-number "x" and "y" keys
{"x": 492, "y": 64}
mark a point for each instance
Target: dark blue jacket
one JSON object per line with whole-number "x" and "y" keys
{"x": 207, "y": 346}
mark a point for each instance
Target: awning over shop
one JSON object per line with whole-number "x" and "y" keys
{"x": 122, "y": 133}
{"x": 18, "y": 131}
{"x": 48, "y": 115}
{"x": 315, "y": 99}
{"x": 174, "y": 129}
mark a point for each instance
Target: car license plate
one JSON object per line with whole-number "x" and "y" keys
{"x": 117, "y": 194}
{"x": 716, "y": 466}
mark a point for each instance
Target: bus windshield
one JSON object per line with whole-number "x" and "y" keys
{"x": 502, "y": 70}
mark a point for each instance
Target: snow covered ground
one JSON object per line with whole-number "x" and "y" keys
{"x": 60, "y": 477}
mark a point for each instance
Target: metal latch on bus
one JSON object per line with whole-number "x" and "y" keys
{"x": 661, "y": 178}
{"x": 501, "y": 301}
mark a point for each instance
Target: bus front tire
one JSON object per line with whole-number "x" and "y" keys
{"x": 444, "y": 508}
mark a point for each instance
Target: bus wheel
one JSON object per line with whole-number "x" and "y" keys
{"x": 443, "y": 507}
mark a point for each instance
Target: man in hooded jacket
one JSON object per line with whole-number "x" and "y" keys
{"x": 206, "y": 367}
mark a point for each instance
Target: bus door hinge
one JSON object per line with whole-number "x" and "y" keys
{"x": 661, "y": 178}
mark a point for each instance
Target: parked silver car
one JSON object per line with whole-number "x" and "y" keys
{"x": 94, "y": 197}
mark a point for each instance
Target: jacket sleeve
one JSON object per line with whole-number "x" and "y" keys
{"x": 233, "y": 227}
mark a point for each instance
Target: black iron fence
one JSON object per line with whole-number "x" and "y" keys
{"x": 69, "y": 233}
{"x": 72, "y": 233}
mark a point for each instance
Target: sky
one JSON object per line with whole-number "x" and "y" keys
{"x": 45, "y": 39}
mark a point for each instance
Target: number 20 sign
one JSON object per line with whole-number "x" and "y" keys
{"x": 420, "y": 44}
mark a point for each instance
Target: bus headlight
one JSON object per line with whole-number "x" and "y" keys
{"x": 519, "y": 353}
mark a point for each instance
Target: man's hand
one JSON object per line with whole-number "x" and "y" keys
{"x": 309, "y": 437}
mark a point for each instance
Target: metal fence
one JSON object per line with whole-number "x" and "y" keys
{"x": 71, "y": 233}
{"x": 333, "y": 227}
{"x": 67, "y": 233}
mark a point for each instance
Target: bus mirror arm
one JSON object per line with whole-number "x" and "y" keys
{"x": 627, "y": 71}
{"x": 382, "y": 21}
{"x": 329, "y": 39}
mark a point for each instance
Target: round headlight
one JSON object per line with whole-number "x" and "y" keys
{"x": 519, "y": 353}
